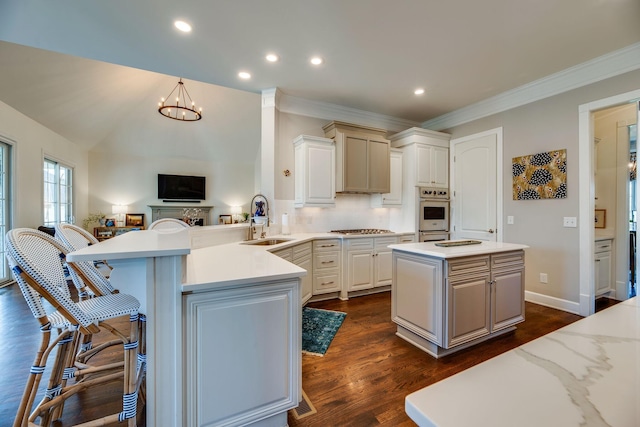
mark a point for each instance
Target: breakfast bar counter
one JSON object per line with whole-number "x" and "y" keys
{"x": 585, "y": 374}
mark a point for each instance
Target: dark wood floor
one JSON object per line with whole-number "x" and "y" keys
{"x": 361, "y": 381}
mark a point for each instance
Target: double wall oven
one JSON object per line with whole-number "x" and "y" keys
{"x": 433, "y": 214}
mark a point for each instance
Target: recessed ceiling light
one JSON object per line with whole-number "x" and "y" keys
{"x": 419, "y": 91}
{"x": 244, "y": 75}
{"x": 272, "y": 57}
{"x": 183, "y": 26}
{"x": 316, "y": 60}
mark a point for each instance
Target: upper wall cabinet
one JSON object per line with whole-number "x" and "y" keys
{"x": 394, "y": 196}
{"x": 362, "y": 158}
{"x": 426, "y": 154}
{"x": 315, "y": 174}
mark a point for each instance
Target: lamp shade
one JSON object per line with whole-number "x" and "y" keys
{"x": 119, "y": 209}
{"x": 236, "y": 209}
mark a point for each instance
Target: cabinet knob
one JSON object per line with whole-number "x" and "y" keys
{"x": 490, "y": 230}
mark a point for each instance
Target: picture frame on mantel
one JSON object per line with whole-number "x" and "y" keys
{"x": 601, "y": 218}
{"x": 225, "y": 219}
{"x": 134, "y": 220}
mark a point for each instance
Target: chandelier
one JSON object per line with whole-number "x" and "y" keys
{"x": 184, "y": 109}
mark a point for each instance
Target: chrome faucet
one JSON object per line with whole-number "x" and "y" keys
{"x": 252, "y": 229}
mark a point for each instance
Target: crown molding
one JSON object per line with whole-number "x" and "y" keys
{"x": 322, "y": 110}
{"x": 606, "y": 66}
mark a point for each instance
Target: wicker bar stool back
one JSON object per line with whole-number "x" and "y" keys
{"x": 168, "y": 225}
{"x": 36, "y": 260}
{"x": 76, "y": 238}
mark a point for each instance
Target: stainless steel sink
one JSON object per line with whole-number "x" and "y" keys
{"x": 266, "y": 242}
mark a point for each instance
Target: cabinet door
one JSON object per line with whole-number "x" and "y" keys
{"x": 507, "y": 298}
{"x": 423, "y": 165}
{"x": 382, "y": 263}
{"x": 320, "y": 178}
{"x": 379, "y": 165}
{"x": 355, "y": 159}
{"x": 306, "y": 282}
{"x": 603, "y": 272}
{"x": 468, "y": 304}
{"x": 360, "y": 270}
{"x": 439, "y": 167}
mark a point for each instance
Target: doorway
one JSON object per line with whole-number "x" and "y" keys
{"x": 586, "y": 186}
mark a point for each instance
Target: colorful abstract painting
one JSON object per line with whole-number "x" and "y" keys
{"x": 540, "y": 176}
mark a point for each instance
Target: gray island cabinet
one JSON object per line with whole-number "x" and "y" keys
{"x": 444, "y": 299}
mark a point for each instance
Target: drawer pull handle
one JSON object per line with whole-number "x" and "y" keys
{"x": 327, "y": 246}
{"x": 326, "y": 283}
{"x": 327, "y": 262}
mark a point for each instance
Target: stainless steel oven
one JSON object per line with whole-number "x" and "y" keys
{"x": 433, "y": 212}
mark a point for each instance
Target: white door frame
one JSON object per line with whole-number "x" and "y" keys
{"x": 499, "y": 196}
{"x": 586, "y": 189}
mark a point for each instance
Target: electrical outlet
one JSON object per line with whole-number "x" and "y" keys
{"x": 544, "y": 278}
{"x": 570, "y": 221}
{"x": 510, "y": 219}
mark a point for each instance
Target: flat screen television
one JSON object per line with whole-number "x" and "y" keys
{"x": 181, "y": 187}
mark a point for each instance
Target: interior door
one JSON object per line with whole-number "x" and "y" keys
{"x": 475, "y": 186}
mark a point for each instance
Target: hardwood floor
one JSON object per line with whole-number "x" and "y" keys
{"x": 361, "y": 381}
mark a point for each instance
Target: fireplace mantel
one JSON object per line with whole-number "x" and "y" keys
{"x": 175, "y": 211}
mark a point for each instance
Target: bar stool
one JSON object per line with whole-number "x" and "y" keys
{"x": 168, "y": 225}
{"x": 37, "y": 265}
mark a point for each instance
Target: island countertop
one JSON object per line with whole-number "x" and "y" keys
{"x": 586, "y": 373}
{"x": 483, "y": 248}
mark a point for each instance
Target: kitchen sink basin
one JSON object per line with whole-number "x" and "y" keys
{"x": 266, "y": 242}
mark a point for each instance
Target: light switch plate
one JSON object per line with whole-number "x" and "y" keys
{"x": 510, "y": 219}
{"x": 570, "y": 221}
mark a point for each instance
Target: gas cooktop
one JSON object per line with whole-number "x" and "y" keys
{"x": 363, "y": 231}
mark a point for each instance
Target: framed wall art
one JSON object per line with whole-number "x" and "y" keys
{"x": 134, "y": 220}
{"x": 540, "y": 176}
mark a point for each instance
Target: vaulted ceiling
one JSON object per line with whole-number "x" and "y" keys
{"x": 86, "y": 78}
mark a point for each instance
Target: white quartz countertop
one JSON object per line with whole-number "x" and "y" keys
{"x": 136, "y": 244}
{"x": 430, "y": 249}
{"x": 585, "y": 374}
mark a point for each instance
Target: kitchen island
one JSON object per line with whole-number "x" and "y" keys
{"x": 444, "y": 299}
{"x": 585, "y": 374}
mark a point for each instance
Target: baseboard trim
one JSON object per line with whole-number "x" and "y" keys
{"x": 553, "y": 302}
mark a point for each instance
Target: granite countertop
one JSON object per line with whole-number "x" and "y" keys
{"x": 586, "y": 373}
{"x": 483, "y": 248}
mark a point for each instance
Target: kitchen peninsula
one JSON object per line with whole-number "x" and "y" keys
{"x": 223, "y": 327}
{"x": 444, "y": 299}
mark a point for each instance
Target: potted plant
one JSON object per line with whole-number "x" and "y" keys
{"x": 99, "y": 217}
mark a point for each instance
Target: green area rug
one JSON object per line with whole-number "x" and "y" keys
{"x": 318, "y": 329}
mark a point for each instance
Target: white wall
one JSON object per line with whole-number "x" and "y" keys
{"x": 544, "y": 125}
{"x": 32, "y": 142}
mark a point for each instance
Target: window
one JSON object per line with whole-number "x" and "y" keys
{"x": 5, "y": 207}
{"x": 58, "y": 193}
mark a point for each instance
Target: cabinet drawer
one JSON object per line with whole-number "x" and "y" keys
{"x": 408, "y": 238}
{"x": 326, "y": 245}
{"x": 325, "y": 260}
{"x": 327, "y": 282}
{"x": 358, "y": 244}
{"x": 302, "y": 250}
{"x": 603, "y": 245}
{"x": 507, "y": 260}
{"x": 468, "y": 265}
{"x": 383, "y": 242}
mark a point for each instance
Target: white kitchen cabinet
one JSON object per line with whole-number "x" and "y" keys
{"x": 302, "y": 257}
{"x": 603, "y": 263}
{"x": 326, "y": 266}
{"x": 368, "y": 263}
{"x": 315, "y": 171}
{"x": 394, "y": 197}
{"x": 432, "y": 166}
{"x": 362, "y": 158}
{"x": 242, "y": 354}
